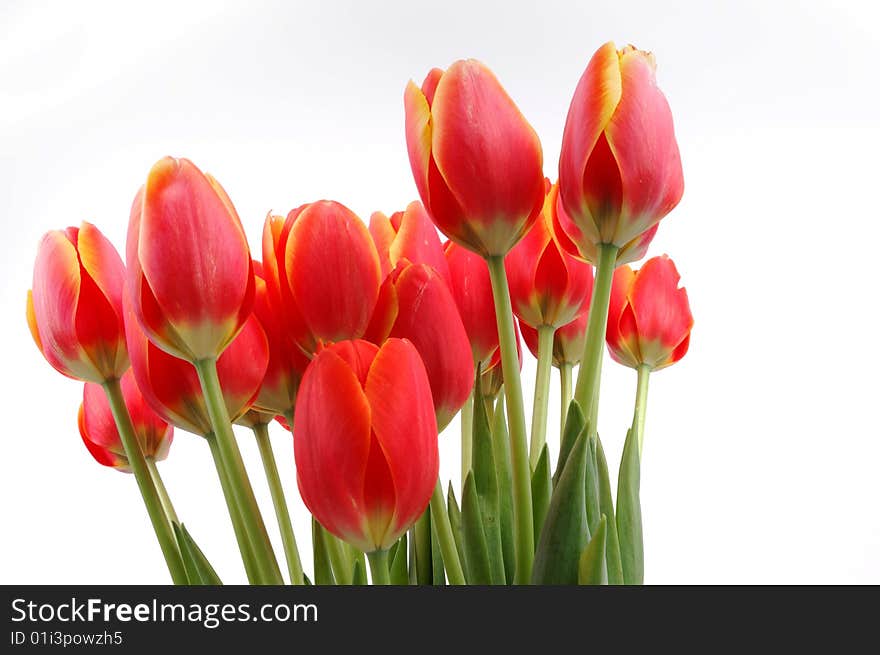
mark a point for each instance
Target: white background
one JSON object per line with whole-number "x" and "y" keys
{"x": 762, "y": 444}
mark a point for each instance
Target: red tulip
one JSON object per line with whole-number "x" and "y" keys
{"x": 171, "y": 385}
{"x": 548, "y": 286}
{"x": 576, "y": 243}
{"x": 476, "y": 161}
{"x": 286, "y": 362}
{"x": 619, "y": 168}
{"x": 98, "y": 428}
{"x": 408, "y": 236}
{"x": 190, "y": 274}
{"x": 568, "y": 341}
{"x": 649, "y": 321}
{"x": 365, "y": 440}
{"x": 74, "y": 310}
{"x": 428, "y": 317}
{"x": 331, "y": 272}
{"x": 472, "y": 291}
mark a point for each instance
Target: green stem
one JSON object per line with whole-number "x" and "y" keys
{"x": 565, "y": 393}
{"x": 521, "y": 472}
{"x": 244, "y": 546}
{"x": 339, "y": 560}
{"x": 261, "y": 548}
{"x": 440, "y": 518}
{"x": 138, "y": 465}
{"x": 421, "y": 537}
{"x": 379, "y": 567}
{"x": 542, "y": 393}
{"x": 587, "y": 390}
{"x": 291, "y": 553}
{"x": 644, "y": 372}
{"x": 467, "y": 436}
{"x": 164, "y": 498}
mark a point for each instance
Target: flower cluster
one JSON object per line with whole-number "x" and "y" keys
{"x": 366, "y": 340}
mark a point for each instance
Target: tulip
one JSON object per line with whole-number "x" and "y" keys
{"x": 74, "y": 310}
{"x": 171, "y": 385}
{"x": 408, "y": 236}
{"x": 100, "y": 434}
{"x": 427, "y": 316}
{"x": 649, "y": 324}
{"x": 332, "y": 271}
{"x": 619, "y": 174}
{"x": 365, "y": 441}
{"x": 472, "y": 291}
{"x": 190, "y": 274}
{"x": 476, "y": 161}
{"x": 619, "y": 167}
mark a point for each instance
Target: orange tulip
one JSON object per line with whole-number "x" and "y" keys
{"x": 98, "y": 430}
{"x": 650, "y": 319}
{"x": 365, "y": 440}
{"x": 476, "y": 161}
{"x": 548, "y": 286}
{"x": 408, "y": 236}
{"x": 190, "y": 275}
{"x": 619, "y": 167}
{"x": 74, "y": 310}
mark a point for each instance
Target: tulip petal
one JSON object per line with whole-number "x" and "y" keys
{"x": 332, "y": 438}
{"x": 418, "y": 135}
{"x": 487, "y": 153}
{"x": 603, "y": 190}
{"x": 383, "y": 234}
{"x": 595, "y": 99}
{"x": 417, "y": 241}
{"x": 399, "y": 394}
{"x": 641, "y": 136}
{"x": 384, "y": 314}
{"x": 661, "y": 309}
{"x": 101, "y": 454}
{"x": 32, "y": 321}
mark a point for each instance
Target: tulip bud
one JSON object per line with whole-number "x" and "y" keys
{"x": 472, "y": 291}
{"x": 190, "y": 275}
{"x": 365, "y": 440}
{"x": 619, "y": 167}
{"x": 408, "y": 235}
{"x": 649, "y": 320}
{"x": 548, "y": 286}
{"x": 476, "y": 161}
{"x": 332, "y": 272}
{"x": 74, "y": 310}
{"x": 568, "y": 341}
{"x": 428, "y": 317}
{"x": 171, "y": 385}
{"x": 97, "y": 426}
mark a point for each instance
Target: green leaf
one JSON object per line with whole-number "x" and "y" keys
{"x": 323, "y": 571}
{"x": 198, "y": 569}
{"x": 574, "y": 425}
{"x": 455, "y": 522}
{"x": 606, "y": 506}
{"x": 357, "y": 556}
{"x": 542, "y": 488}
{"x": 629, "y": 512}
{"x": 438, "y": 572}
{"x": 591, "y": 569}
{"x": 501, "y": 449}
{"x": 476, "y": 551}
{"x": 591, "y": 480}
{"x": 307, "y": 581}
{"x": 486, "y": 483}
{"x": 359, "y": 574}
{"x": 565, "y": 533}
{"x": 399, "y": 573}
{"x": 422, "y": 546}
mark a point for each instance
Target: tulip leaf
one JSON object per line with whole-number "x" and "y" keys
{"x": 357, "y": 556}
{"x": 399, "y": 573}
{"x": 565, "y": 533}
{"x": 307, "y": 581}
{"x": 606, "y": 506}
{"x": 629, "y": 512}
{"x": 486, "y": 483}
{"x": 438, "y": 572}
{"x": 323, "y": 571}
{"x": 359, "y": 574}
{"x": 198, "y": 569}
{"x": 574, "y": 425}
{"x": 591, "y": 569}
{"x": 455, "y": 522}
{"x": 424, "y": 570}
{"x": 476, "y": 551}
{"x": 591, "y": 489}
{"x": 541, "y": 490}
{"x": 501, "y": 449}
{"x": 393, "y": 550}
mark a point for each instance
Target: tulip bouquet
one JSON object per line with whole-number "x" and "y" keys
{"x": 366, "y": 341}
